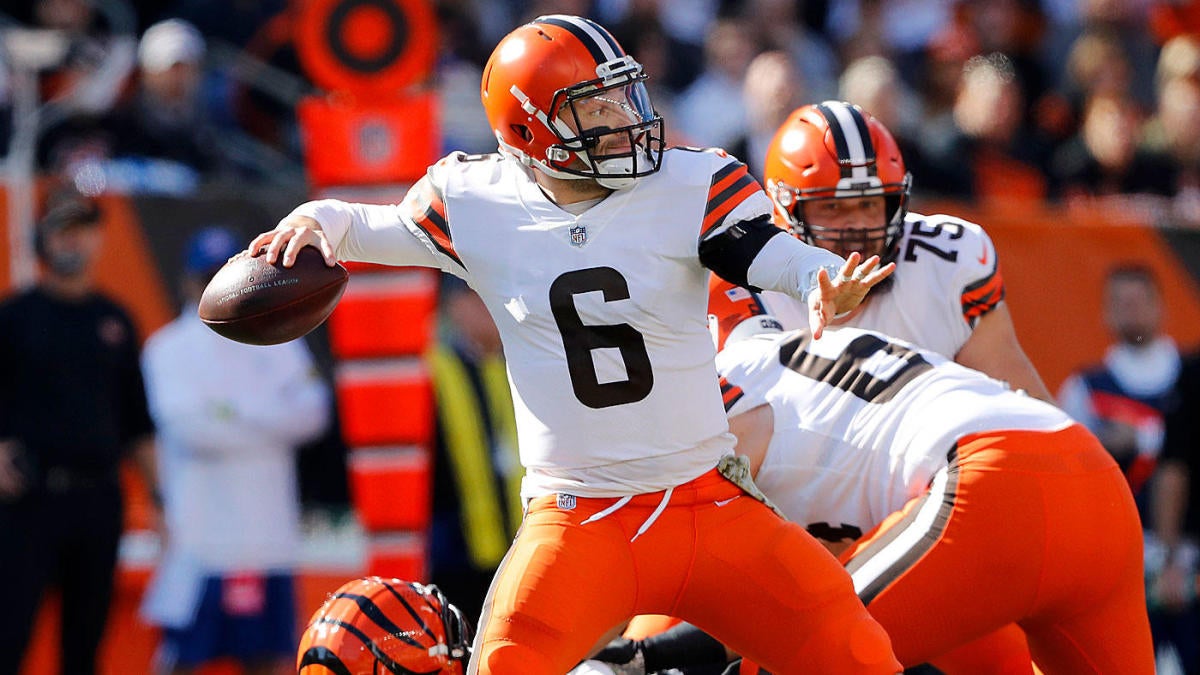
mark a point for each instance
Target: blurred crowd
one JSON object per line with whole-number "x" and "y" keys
{"x": 1067, "y": 101}
{"x": 1080, "y": 103}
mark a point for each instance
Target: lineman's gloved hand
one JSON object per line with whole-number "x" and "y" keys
{"x": 682, "y": 646}
{"x": 624, "y": 656}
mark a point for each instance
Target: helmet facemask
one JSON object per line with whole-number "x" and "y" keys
{"x": 882, "y": 240}
{"x": 590, "y": 145}
{"x": 458, "y": 629}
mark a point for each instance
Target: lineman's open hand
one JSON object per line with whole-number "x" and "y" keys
{"x": 845, "y": 291}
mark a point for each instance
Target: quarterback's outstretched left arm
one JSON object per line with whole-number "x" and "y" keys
{"x": 752, "y": 253}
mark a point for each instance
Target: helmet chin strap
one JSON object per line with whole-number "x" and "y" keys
{"x": 615, "y": 166}
{"x": 617, "y": 171}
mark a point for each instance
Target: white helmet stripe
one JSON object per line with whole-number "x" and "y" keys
{"x": 856, "y": 150}
{"x": 556, "y": 125}
{"x": 597, "y": 41}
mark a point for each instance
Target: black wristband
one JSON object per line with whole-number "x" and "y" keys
{"x": 681, "y": 646}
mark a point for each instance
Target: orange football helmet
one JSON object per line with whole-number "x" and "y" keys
{"x": 837, "y": 150}
{"x": 735, "y": 313}
{"x": 543, "y": 77}
{"x": 376, "y": 626}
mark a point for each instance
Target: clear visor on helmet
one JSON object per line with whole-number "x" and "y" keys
{"x": 600, "y": 121}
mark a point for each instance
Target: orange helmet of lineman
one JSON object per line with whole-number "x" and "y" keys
{"x": 735, "y": 313}
{"x": 836, "y": 150}
{"x": 563, "y": 97}
{"x": 376, "y": 626}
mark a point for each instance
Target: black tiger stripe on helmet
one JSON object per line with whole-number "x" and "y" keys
{"x": 326, "y": 657}
{"x": 376, "y": 625}
{"x": 372, "y": 611}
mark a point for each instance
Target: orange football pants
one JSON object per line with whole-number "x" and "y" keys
{"x": 1025, "y": 527}
{"x": 705, "y": 552}
{"x": 1003, "y": 652}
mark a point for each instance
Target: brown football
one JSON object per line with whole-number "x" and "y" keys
{"x": 252, "y": 301}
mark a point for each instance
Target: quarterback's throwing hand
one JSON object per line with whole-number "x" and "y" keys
{"x": 845, "y": 291}
{"x": 292, "y": 234}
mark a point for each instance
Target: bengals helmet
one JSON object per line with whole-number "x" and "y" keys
{"x": 376, "y": 626}
{"x": 735, "y": 313}
{"x": 563, "y": 97}
{"x": 837, "y": 150}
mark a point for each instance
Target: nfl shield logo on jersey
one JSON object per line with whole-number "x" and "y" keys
{"x": 579, "y": 235}
{"x": 566, "y": 502}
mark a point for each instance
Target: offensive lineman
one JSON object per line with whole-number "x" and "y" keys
{"x": 591, "y": 246}
{"x": 837, "y": 180}
{"x": 982, "y": 507}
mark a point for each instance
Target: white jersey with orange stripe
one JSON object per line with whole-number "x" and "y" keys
{"x": 862, "y": 420}
{"x": 947, "y": 276}
{"x": 602, "y": 314}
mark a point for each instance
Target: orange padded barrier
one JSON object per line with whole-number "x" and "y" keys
{"x": 392, "y": 487}
{"x": 385, "y": 402}
{"x": 361, "y": 141}
{"x": 384, "y": 314}
{"x": 397, "y": 554}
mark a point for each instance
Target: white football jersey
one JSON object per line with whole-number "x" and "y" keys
{"x": 946, "y": 277}
{"x": 602, "y": 314}
{"x": 862, "y": 421}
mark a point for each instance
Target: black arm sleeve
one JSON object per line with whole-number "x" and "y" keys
{"x": 730, "y": 253}
{"x": 682, "y": 646}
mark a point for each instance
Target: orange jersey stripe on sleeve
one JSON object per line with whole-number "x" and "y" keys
{"x": 730, "y": 394}
{"x": 982, "y": 296}
{"x": 429, "y": 214}
{"x": 730, "y": 186}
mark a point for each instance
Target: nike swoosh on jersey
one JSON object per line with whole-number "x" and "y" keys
{"x": 723, "y": 502}
{"x": 983, "y": 258}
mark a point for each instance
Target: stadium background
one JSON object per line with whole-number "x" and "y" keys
{"x": 1053, "y": 264}
{"x": 1053, "y": 259}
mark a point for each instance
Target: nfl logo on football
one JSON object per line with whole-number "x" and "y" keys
{"x": 579, "y": 235}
